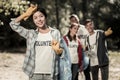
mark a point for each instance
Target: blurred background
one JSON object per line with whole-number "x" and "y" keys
{"x": 105, "y": 13}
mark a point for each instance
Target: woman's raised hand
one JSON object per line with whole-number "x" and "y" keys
{"x": 29, "y": 11}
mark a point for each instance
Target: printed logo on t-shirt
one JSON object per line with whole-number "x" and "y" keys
{"x": 82, "y": 36}
{"x": 43, "y": 43}
{"x": 73, "y": 46}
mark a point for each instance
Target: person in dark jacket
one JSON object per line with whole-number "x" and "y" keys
{"x": 96, "y": 44}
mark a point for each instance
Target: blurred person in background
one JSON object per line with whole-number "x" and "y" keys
{"x": 75, "y": 50}
{"x": 82, "y": 35}
{"x": 97, "y": 47}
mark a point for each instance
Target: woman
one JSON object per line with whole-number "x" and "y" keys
{"x": 82, "y": 35}
{"x": 47, "y": 56}
{"x": 75, "y": 50}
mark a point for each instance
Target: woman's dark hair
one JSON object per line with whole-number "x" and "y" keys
{"x": 42, "y": 10}
{"x": 69, "y": 36}
{"x": 39, "y": 8}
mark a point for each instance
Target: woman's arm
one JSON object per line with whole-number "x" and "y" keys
{"x": 15, "y": 23}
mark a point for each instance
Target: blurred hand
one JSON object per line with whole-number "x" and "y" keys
{"x": 29, "y": 11}
{"x": 108, "y": 32}
{"x": 56, "y": 47}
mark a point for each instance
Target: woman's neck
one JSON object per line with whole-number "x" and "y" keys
{"x": 44, "y": 29}
{"x": 71, "y": 35}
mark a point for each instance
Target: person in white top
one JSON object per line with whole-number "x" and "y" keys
{"x": 75, "y": 49}
{"x": 47, "y": 56}
{"x": 96, "y": 44}
{"x": 82, "y": 35}
{"x": 82, "y": 31}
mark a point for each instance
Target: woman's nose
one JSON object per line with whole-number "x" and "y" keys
{"x": 39, "y": 19}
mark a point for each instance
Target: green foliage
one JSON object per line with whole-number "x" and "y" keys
{"x": 104, "y": 13}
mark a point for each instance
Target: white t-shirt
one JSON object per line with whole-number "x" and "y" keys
{"x": 44, "y": 57}
{"x": 93, "y": 47}
{"x": 82, "y": 34}
{"x": 73, "y": 47}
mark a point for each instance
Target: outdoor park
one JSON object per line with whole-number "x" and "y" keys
{"x": 105, "y": 13}
{"x": 11, "y": 66}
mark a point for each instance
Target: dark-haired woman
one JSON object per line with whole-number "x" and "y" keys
{"x": 47, "y": 56}
{"x": 75, "y": 50}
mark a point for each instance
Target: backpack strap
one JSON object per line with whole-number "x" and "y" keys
{"x": 97, "y": 35}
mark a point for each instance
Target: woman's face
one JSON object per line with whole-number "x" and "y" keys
{"x": 74, "y": 29}
{"x": 39, "y": 19}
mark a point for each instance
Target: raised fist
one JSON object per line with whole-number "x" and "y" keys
{"x": 56, "y": 47}
{"x": 108, "y": 32}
